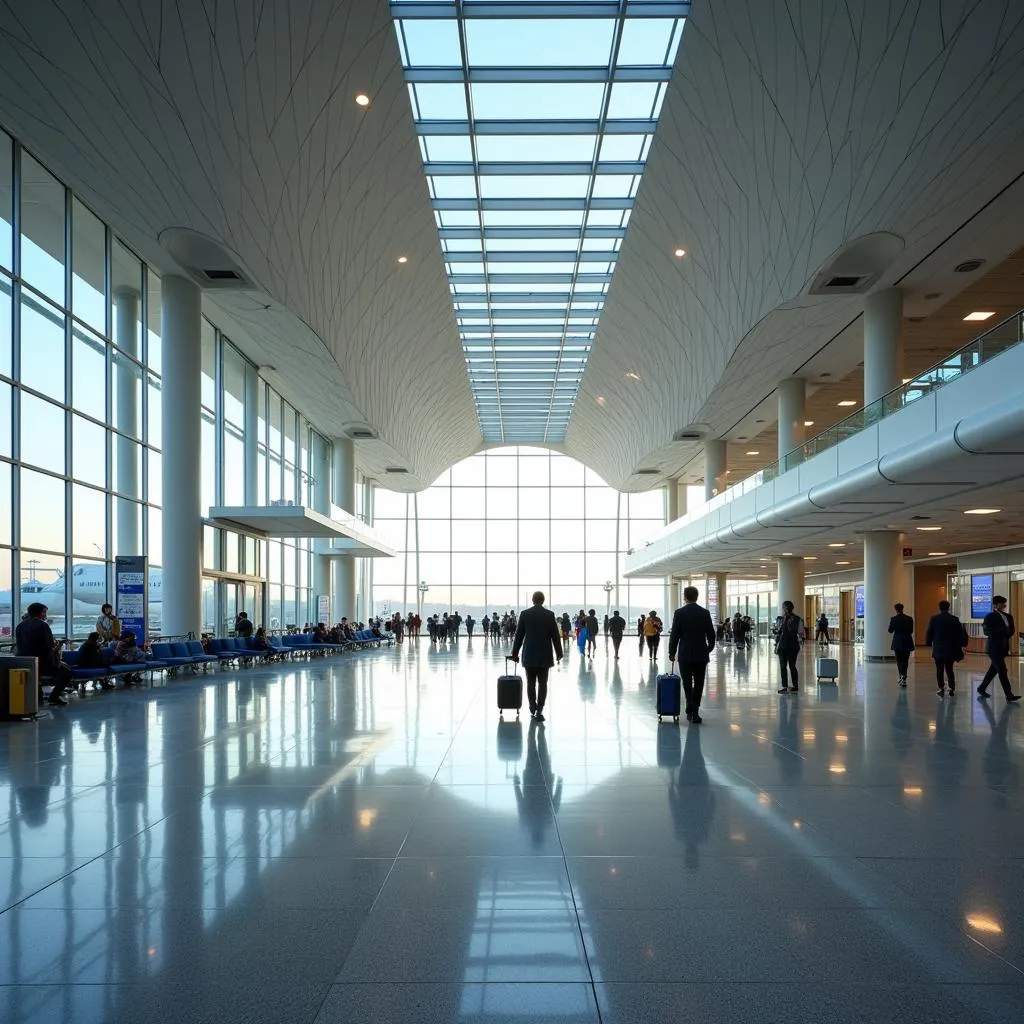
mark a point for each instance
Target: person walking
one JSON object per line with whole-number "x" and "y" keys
{"x": 789, "y": 636}
{"x": 537, "y": 636}
{"x": 693, "y": 639}
{"x": 821, "y": 630}
{"x": 640, "y": 633}
{"x": 998, "y": 628}
{"x": 108, "y": 625}
{"x": 616, "y": 627}
{"x": 652, "y": 633}
{"x": 470, "y": 624}
{"x": 902, "y": 628}
{"x": 948, "y": 638}
{"x": 591, "y": 624}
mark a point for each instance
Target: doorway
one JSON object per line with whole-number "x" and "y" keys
{"x": 1016, "y": 596}
{"x": 845, "y": 616}
{"x": 225, "y": 596}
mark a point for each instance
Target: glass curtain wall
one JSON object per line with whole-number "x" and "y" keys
{"x": 80, "y": 421}
{"x": 79, "y": 400}
{"x": 509, "y": 521}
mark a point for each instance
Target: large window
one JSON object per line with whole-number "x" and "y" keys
{"x": 509, "y": 521}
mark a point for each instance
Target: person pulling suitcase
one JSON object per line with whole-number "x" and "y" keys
{"x": 537, "y": 636}
{"x": 693, "y": 639}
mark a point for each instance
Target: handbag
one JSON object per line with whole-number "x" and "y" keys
{"x": 959, "y": 654}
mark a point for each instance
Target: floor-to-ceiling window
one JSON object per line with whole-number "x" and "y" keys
{"x": 509, "y": 521}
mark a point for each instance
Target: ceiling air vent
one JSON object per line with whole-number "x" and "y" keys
{"x": 362, "y": 434}
{"x": 694, "y": 432}
{"x": 969, "y": 266}
{"x": 648, "y": 472}
{"x": 221, "y": 276}
{"x": 396, "y": 469}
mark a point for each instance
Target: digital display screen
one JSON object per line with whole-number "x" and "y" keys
{"x": 981, "y": 596}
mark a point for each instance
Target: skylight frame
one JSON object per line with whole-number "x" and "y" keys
{"x": 527, "y": 313}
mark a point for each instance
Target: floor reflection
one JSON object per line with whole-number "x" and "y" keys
{"x": 316, "y": 842}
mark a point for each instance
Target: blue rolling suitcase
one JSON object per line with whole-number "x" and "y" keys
{"x": 668, "y": 696}
{"x": 510, "y": 692}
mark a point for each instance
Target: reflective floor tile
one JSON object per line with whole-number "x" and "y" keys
{"x": 496, "y": 1003}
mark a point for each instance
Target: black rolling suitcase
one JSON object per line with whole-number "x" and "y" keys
{"x": 668, "y": 695}
{"x": 510, "y": 692}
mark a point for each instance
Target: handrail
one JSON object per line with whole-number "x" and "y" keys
{"x": 997, "y": 339}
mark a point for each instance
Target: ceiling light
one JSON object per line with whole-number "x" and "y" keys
{"x": 846, "y": 402}
{"x": 810, "y": 558}
{"x": 912, "y": 790}
{"x": 928, "y": 529}
{"x": 362, "y": 99}
{"x": 838, "y": 544}
{"x": 837, "y": 769}
{"x": 808, "y": 423}
{"x": 599, "y": 399}
{"x": 981, "y": 511}
{"x": 980, "y": 314}
{"x": 631, "y": 375}
{"x": 842, "y": 563}
{"x": 680, "y": 253}
{"x": 753, "y": 453}
{"x": 985, "y": 923}
{"x": 403, "y": 259}
{"x": 787, "y": 554}
{"x": 907, "y": 380}
{"x": 934, "y": 554}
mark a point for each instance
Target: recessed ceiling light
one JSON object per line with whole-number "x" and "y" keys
{"x": 981, "y": 511}
{"x": 787, "y": 554}
{"x": 907, "y": 380}
{"x": 928, "y": 529}
{"x": 631, "y": 375}
{"x": 362, "y": 99}
{"x": 403, "y": 259}
{"x": 980, "y": 314}
{"x": 808, "y": 423}
{"x": 810, "y": 558}
{"x": 846, "y": 402}
{"x": 842, "y": 563}
{"x": 679, "y": 253}
{"x": 599, "y": 399}
{"x": 838, "y": 544}
{"x": 934, "y": 554}
{"x": 753, "y": 453}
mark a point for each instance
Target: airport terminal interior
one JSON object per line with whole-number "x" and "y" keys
{"x": 330, "y": 333}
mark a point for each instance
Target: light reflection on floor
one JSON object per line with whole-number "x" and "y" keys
{"x": 364, "y": 839}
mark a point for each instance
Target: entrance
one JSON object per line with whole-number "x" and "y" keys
{"x": 225, "y": 596}
{"x": 1016, "y": 597}
{"x": 846, "y": 616}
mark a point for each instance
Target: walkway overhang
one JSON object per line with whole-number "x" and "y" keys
{"x": 934, "y": 459}
{"x": 348, "y": 536}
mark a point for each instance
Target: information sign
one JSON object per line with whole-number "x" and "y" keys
{"x": 858, "y": 601}
{"x": 981, "y": 596}
{"x": 131, "y": 585}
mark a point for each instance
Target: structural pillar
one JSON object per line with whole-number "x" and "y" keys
{"x": 366, "y": 585}
{"x": 181, "y": 409}
{"x": 251, "y": 427}
{"x": 792, "y": 412}
{"x": 883, "y": 580}
{"x": 721, "y": 579}
{"x": 126, "y": 337}
{"x": 343, "y": 567}
{"x": 320, "y": 467}
{"x": 883, "y": 343}
{"x": 791, "y": 585}
{"x": 714, "y": 468}
{"x": 672, "y": 512}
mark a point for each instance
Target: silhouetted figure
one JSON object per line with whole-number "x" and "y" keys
{"x": 539, "y": 793}
{"x": 691, "y": 799}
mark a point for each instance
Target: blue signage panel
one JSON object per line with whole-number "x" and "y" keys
{"x": 131, "y": 586}
{"x": 981, "y": 596}
{"x": 858, "y": 601}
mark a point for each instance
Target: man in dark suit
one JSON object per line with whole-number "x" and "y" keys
{"x": 536, "y": 635}
{"x": 998, "y": 628}
{"x": 616, "y": 627}
{"x": 902, "y": 628}
{"x": 947, "y": 638}
{"x": 693, "y": 637}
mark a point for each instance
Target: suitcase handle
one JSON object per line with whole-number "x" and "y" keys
{"x": 507, "y": 660}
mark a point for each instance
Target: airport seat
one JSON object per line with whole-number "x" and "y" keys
{"x": 224, "y": 650}
{"x": 164, "y": 652}
{"x": 84, "y": 675}
{"x": 198, "y": 655}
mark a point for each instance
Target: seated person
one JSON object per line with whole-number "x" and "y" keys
{"x": 260, "y": 641}
{"x": 320, "y": 634}
{"x": 92, "y": 654}
{"x": 128, "y": 652}
{"x": 34, "y": 639}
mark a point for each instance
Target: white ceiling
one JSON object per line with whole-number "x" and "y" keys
{"x": 788, "y": 131}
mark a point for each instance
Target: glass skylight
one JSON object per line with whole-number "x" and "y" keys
{"x": 535, "y": 121}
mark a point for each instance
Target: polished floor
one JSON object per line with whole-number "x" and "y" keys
{"x": 362, "y": 840}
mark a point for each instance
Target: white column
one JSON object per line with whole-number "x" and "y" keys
{"x": 883, "y": 581}
{"x": 721, "y": 581}
{"x": 343, "y": 568}
{"x": 714, "y": 468}
{"x": 791, "y": 584}
{"x": 883, "y": 343}
{"x": 127, "y": 397}
{"x": 792, "y": 412}
{"x": 251, "y": 436}
{"x": 181, "y": 326}
{"x": 320, "y": 468}
{"x": 671, "y": 501}
{"x": 367, "y": 587}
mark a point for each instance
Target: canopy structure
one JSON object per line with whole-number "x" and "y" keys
{"x": 347, "y": 534}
